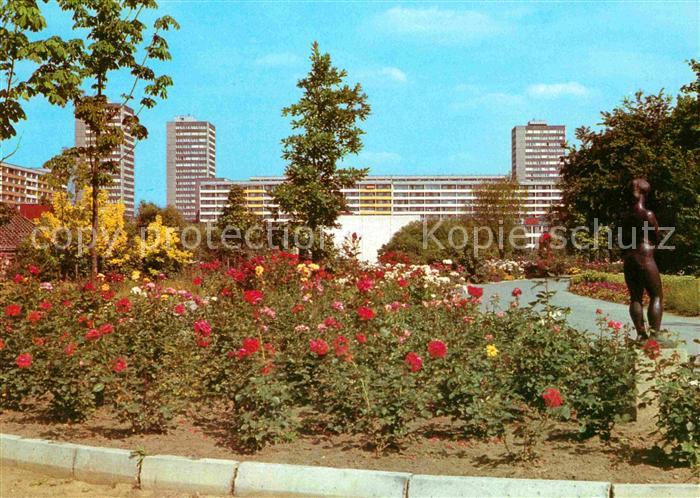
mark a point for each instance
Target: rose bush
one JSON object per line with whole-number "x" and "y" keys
{"x": 280, "y": 346}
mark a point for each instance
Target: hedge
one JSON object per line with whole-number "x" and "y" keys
{"x": 681, "y": 292}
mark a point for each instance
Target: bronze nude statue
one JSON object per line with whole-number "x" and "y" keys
{"x": 641, "y": 234}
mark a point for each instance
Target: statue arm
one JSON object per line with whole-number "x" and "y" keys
{"x": 653, "y": 222}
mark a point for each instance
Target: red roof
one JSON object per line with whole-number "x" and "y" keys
{"x": 33, "y": 211}
{"x": 14, "y": 232}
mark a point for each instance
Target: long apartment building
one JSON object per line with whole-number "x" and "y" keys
{"x": 433, "y": 196}
{"x": 121, "y": 189}
{"x": 537, "y": 151}
{"x": 191, "y": 156}
{"x": 20, "y": 185}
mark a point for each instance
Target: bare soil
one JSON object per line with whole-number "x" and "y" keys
{"x": 21, "y": 483}
{"x": 633, "y": 455}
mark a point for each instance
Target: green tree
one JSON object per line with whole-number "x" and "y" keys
{"x": 498, "y": 207}
{"x": 148, "y": 211}
{"x": 647, "y": 136}
{"x": 31, "y": 67}
{"x": 116, "y": 38}
{"x": 7, "y": 212}
{"x": 237, "y": 222}
{"x": 325, "y": 119}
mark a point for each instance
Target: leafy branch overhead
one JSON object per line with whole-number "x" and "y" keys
{"x": 44, "y": 66}
{"x": 116, "y": 38}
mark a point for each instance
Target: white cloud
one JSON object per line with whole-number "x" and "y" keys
{"x": 382, "y": 76}
{"x": 280, "y": 59}
{"x": 438, "y": 24}
{"x": 556, "y": 90}
{"x": 394, "y": 74}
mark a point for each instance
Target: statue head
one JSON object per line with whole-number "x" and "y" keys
{"x": 640, "y": 188}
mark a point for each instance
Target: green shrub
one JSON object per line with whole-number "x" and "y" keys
{"x": 679, "y": 407}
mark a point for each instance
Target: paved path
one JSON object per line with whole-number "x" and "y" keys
{"x": 583, "y": 309}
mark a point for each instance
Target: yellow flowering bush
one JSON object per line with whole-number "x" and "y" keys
{"x": 160, "y": 249}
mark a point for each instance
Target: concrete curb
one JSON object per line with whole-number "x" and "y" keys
{"x": 228, "y": 477}
{"x": 254, "y": 478}
{"x": 425, "y": 486}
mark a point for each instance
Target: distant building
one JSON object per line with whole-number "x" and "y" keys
{"x": 20, "y": 185}
{"x": 537, "y": 151}
{"x": 122, "y": 187}
{"x": 421, "y": 197}
{"x": 191, "y": 156}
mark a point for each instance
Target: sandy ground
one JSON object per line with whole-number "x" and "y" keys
{"x": 20, "y": 483}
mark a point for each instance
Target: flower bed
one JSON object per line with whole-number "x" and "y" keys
{"x": 681, "y": 293}
{"x": 277, "y": 348}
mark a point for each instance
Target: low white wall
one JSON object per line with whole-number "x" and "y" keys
{"x": 374, "y": 231}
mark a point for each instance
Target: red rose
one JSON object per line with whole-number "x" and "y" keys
{"x": 119, "y": 365}
{"x": 437, "y": 349}
{"x": 92, "y": 335}
{"x": 402, "y": 282}
{"x": 318, "y": 346}
{"x": 106, "y": 329}
{"x": 267, "y": 369}
{"x": 179, "y": 309}
{"x": 13, "y": 310}
{"x": 365, "y": 285}
{"x": 202, "y": 328}
{"x": 24, "y": 360}
{"x": 203, "y": 342}
{"x": 45, "y": 305}
{"x": 70, "y": 349}
{"x": 253, "y": 297}
{"x": 341, "y": 346}
{"x": 551, "y": 397}
{"x": 652, "y": 349}
{"x": 123, "y": 305}
{"x": 108, "y": 295}
{"x": 251, "y": 345}
{"x": 18, "y": 279}
{"x": 516, "y": 292}
{"x": 297, "y": 308}
{"x": 414, "y": 362}
{"x": 545, "y": 237}
{"x": 365, "y": 313}
{"x": 89, "y": 287}
{"x": 2, "y": 344}
{"x": 34, "y": 316}
{"x": 236, "y": 274}
{"x": 476, "y": 292}
{"x": 361, "y": 338}
{"x": 33, "y": 269}
{"x": 197, "y": 281}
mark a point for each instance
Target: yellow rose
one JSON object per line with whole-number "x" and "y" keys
{"x": 105, "y": 287}
{"x": 135, "y": 275}
{"x": 259, "y": 270}
{"x": 314, "y": 267}
{"x": 491, "y": 351}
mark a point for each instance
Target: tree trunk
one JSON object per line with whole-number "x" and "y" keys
{"x": 95, "y": 218}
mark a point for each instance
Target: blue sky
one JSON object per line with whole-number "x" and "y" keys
{"x": 446, "y": 80}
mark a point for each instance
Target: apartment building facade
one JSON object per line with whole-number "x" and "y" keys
{"x": 21, "y": 185}
{"x": 429, "y": 196}
{"x": 191, "y": 156}
{"x": 537, "y": 150}
{"x": 121, "y": 189}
